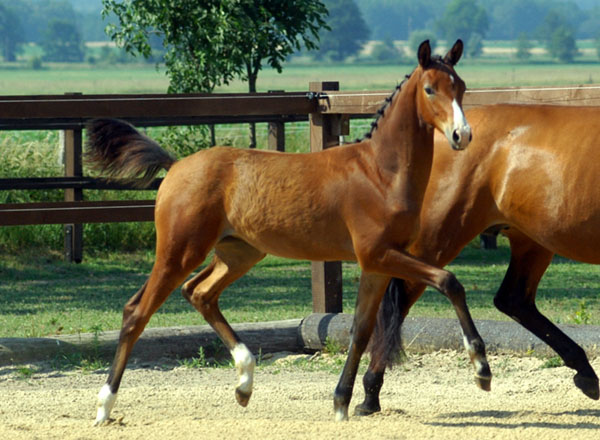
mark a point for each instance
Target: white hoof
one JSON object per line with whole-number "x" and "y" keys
{"x": 106, "y": 401}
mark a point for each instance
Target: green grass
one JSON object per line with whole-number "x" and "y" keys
{"x": 567, "y": 294}
{"x": 40, "y": 295}
{"x": 66, "y": 78}
{"x": 143, "y": 78}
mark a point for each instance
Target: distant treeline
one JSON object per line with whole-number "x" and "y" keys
{"x": 33, "y": 16}
{"x": 395, "y": 19}
{"x": 508, "y": 19}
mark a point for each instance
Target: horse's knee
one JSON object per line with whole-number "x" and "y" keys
{"x": 452, "y": 288}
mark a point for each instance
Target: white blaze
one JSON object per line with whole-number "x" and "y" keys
{"x": 460, "y": 122}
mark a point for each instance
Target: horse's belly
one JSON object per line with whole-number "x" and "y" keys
{"x": 577, "y": 241}
{"x": 295, "y": 241}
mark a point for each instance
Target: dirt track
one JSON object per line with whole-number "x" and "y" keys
{"x": 432, "y": 396}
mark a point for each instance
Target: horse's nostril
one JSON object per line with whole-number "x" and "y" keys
{"x": 455, "y": 136}
{"x": 470, "y": 136}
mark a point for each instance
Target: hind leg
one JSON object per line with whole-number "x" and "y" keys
{"x": 233, "y": 258}
{"x": 516, "y": 298}
{"x": 136, "y": 314}
{"x": 180, "y": 248}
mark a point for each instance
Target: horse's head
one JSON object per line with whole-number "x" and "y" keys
{"x": 440, "y": 92}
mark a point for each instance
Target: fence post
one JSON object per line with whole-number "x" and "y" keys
{"x": 72, "y": 144}
{"x": 326, "y": 275}
{"x": 276, "y": 136}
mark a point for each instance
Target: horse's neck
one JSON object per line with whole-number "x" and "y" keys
{"x": 401, "y": 142}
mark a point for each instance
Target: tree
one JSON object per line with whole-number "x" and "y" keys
{"x": 399, "y": 18}
{"x": 597, "y": 45}
{"x": 62, "y": 42}
{"x": 386, "y": 51}
{"x": 474, "y": 46}
{"x": 461, "y": 19}
{"x": 558, "y": 35}
{"x": 10, "y": 32}
{"x": 509, "y": 18}
{"x": 418, "y": 36}
{"x": 210, "y": 42}
{"x": 348, "y": 32}
{"x": 36, "y": 14}
{"x": 523, "y": 47}
{"x": 562, "y": 45}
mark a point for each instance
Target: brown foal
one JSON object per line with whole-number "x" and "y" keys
{"x": 359, "y": 202}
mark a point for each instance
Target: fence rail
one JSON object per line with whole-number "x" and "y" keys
{"x": 327, "y": 109}
{"x": 71, "y": 111}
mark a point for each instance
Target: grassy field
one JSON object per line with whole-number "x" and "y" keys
{"x": 41, "y": 295}
{"x": 61, "y": 79}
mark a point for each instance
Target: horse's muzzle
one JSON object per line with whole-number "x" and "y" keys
{"x": 460, "y": 137}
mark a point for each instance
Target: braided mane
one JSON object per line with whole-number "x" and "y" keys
{"x": 436, "y": 60}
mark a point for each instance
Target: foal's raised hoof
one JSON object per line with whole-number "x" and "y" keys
{"x": 485, "y": 383}
{"x": 365, "y": 410}
{"x": 588, "y": 385}
{"x": 242, "y": 397}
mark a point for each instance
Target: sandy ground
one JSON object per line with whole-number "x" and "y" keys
{"x": 432, "y": 396}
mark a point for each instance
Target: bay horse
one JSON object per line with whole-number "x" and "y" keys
{"x": 360, "y": 202}
{"x": 530, "y": 172}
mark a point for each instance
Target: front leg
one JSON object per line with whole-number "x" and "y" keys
{"x": 370, "y": 291}
{"x": 400, "y": 264}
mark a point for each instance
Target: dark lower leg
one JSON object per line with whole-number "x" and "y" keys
{"x": 571, "y": 353}
{"x": 372, "y": 383}
{"x": 472, "y": 340}
{"x": 386, "y": 343}
{"x": 516, "y": 298}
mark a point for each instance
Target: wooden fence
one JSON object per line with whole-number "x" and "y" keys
{"x": 327, "y": 109}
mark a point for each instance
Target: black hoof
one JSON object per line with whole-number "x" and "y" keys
{"x": 366, "y": 410}
{"x": 588, "y": 385}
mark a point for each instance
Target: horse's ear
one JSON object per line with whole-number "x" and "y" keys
{"x": 455, "y": 53}
{"x": 424, "y": 54}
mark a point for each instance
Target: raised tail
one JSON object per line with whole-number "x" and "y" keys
{"x": 385, "y": 345}
{"x": 116, "y": 149}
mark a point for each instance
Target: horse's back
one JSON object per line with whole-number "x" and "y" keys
{"x": 537, "y": 163}
{"x": 281, "y": 203}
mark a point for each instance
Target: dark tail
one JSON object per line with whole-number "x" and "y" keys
{"x": 118, "y": 150}
{"x": 386, "y": 342}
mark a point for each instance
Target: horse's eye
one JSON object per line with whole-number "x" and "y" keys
{"x": 429, "y": 90}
